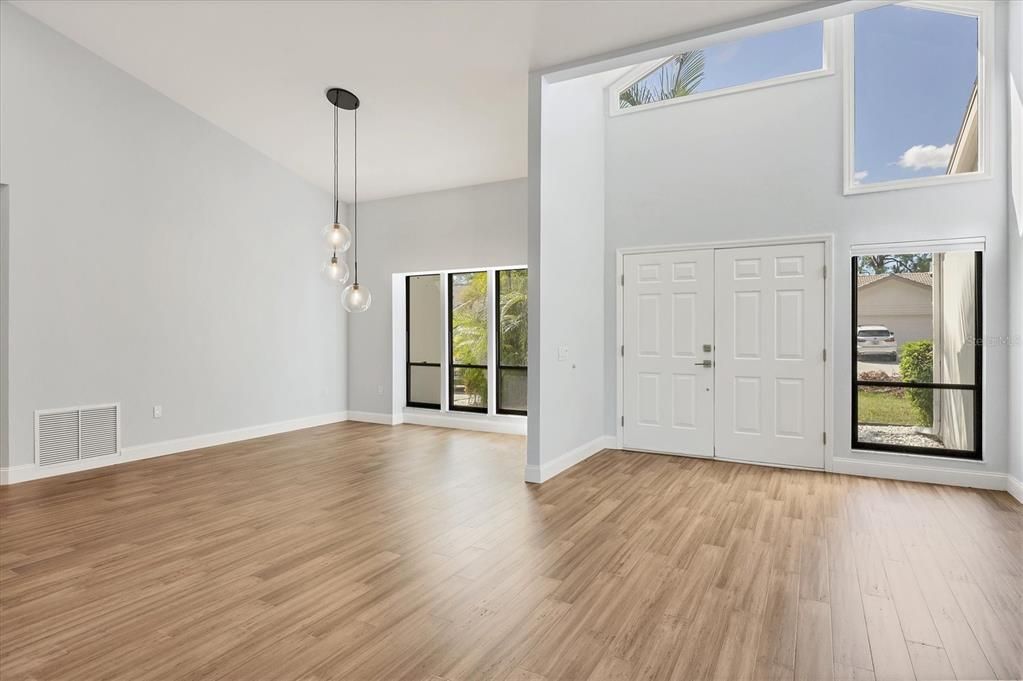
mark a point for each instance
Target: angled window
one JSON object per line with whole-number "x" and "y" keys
{"x": 917, "y": 353}
{"x": 468, "y": 338}
{"x": 424, "y": 313}
{"x": 915, "y": 110}
{"x": 512, "y": 340}
{"x": 754, "y": 61}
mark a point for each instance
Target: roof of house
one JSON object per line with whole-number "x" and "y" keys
{"x": 915, "y": 277}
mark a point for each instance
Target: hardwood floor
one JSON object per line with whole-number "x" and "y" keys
{"x": 357, "y": 551}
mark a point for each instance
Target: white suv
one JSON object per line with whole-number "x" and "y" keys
{"x": 876, "y": 340}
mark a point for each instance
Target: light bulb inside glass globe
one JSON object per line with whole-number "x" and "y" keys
{"x": 338, "y": 236}
{"x": 336, "y": 270}
{"x": 355, "y": 298}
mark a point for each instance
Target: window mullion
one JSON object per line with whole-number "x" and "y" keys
{"x": 491, "y": 342}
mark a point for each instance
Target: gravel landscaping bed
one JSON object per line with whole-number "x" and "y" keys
{"x": 898, "y": 435}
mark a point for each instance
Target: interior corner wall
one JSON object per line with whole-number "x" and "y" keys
{"x": 154, "y": 258}
{"x": 477, "y": 226}
{"x": 768, "y": 163}
{"x": 566, "y": 403}
{"x": 1015, "y": 240}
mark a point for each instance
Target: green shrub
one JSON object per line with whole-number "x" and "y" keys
{"x": 917, "y": 366}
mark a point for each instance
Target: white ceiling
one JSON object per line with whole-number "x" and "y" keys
{"x": 443, "y": 84}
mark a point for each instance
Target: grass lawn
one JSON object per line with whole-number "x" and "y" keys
{"x": 888, "y": 409}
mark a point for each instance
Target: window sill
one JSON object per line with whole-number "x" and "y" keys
{"x": 935, "y": 181}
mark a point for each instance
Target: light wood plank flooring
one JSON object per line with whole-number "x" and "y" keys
{"x": 357, "y": 551}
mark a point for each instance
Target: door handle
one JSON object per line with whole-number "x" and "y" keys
{"x": 705, "y": 363}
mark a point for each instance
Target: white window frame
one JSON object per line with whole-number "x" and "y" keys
{"x": 983, "y": 11}
{"x": 645, "y": 69}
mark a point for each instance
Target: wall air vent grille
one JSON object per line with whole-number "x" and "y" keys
{"x": 76, "y": 433}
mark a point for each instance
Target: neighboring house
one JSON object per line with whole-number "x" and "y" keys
{"x": 901, "y": 302}
{"x": 964, "y": 153}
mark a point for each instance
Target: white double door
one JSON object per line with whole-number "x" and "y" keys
{"x": 724, "y": 353}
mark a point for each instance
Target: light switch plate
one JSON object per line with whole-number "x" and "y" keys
{"x": 562, "y": 353}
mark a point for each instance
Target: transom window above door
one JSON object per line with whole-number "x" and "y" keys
{"x": 768, "y": 58}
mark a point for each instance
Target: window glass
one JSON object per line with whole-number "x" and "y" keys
{"x": 916, "y": 111}
{"x": 762, "y": 57}
{"x": 425, "y": 340}
{"x": 513, "y": 343}
{"x": 917, "y": 351}
{"x": 468, "y": 338}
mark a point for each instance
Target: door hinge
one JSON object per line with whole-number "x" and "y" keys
{"x": 825, "y": 269}
{"x": 824, "y": 436}
{"x": 623, "y": 351}
{"x": 623, "y": 419}
{"x": 623, "y": 280}
{"x": 824, "y": 354}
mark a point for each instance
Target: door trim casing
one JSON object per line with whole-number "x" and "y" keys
{"x": 827, "y": 240}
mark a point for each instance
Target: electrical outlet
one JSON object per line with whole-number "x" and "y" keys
{"x": 157, "y": 411}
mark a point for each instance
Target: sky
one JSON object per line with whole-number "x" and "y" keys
{"x": 914, "y": 69}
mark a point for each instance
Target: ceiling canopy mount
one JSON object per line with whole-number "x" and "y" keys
{"x": 342, "y": 98}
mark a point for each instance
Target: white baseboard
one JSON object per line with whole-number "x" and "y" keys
{"x": 917, "y": 473}
{"x": 500, "y": 423}
{"x": 546, "y": 471}
{"x": 373, "y": 417}
{"x": 1014, "y": 486}
{"x": 24, "y": 473}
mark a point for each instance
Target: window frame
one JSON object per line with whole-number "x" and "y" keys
{"x": 976, "y": 387}
{"x": 408, "y": 347}
{"x": 641, "y": 71}
{"x": 451, "y": 347}
{"x": 497, "y": 337}
{"x": 983, "y": 11}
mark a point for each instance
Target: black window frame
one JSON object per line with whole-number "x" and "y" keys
{"x": 976, "y": 387}
{"x": 497, "y": 326}
{"x": 451, "y": 351}
{"x": 408, "y": 348}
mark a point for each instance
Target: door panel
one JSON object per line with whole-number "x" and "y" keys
{"x": 769, "y": 378}
{"x": 669, "y": 317}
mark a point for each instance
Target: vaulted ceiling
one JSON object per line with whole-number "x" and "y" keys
{"x": 443, "y": 84}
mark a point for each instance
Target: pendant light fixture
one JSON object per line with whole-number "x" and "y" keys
{"x": 339, "y": 237}
{"x": 355, "y": 297}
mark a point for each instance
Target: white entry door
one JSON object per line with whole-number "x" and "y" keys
{"x": 769, "y": 378}
{"x": 668, "y": 334}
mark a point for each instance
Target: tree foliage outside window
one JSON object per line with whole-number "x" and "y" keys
{"x": 469, "y": 337}
{"x": 679, "y": 76}
{"x": 895, "y": 264}
{"x": 514, "y": 286}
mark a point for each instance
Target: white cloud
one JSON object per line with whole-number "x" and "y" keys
{"x": 859, "y": 176}
{"x": 920, "y": 156}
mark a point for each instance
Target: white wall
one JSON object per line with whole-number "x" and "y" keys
{"x": 5, "y": 283}
{"x": 768, "y": 163}
{"x": 155, "y": 259}
{"x": 566, "y": 397}
{"x": 1015, "y": 242}
{"x": 479, "y": 226}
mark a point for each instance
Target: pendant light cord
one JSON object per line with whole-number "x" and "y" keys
{"x": 336, "y": 192}
{"x": 355, "y": 221}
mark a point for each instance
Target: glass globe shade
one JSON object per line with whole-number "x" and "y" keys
{"x": 355, "y": 298}
{"x": 338, "y": 236}
{"x": 336, "y": 270}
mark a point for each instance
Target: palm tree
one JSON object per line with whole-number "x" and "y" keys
{"x": 679, "y": 76}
